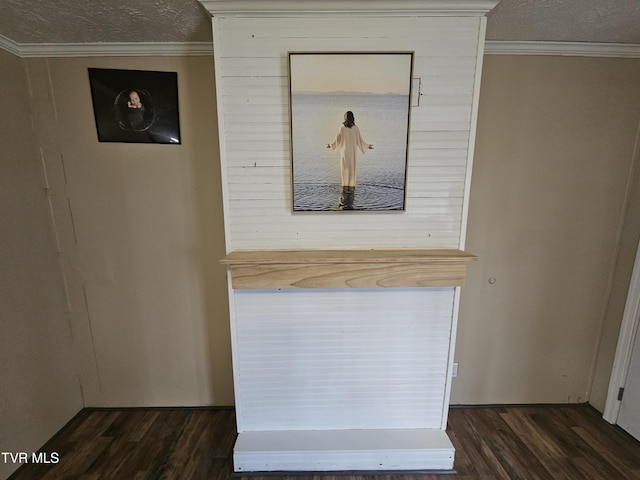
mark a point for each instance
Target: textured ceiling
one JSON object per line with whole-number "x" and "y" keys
{"x": 93, "y": 21}
{"x": 88, "y": 21}
{"x": 605, "y": 21}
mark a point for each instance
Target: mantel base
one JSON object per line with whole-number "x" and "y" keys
{"x": 343, "y": 450}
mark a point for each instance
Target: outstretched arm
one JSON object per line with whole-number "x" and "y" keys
{"x": 336, "y": 141}
{"x": 360, "y": 142}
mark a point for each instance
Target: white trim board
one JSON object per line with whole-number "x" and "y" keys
{"x": 630, "y": 320}
{"x": 167, "y": 49}
{"x": 575, "y": 49}
{"x": 10, "y": 46}
{"x": 146, "y": 49}
{"x": 340, "y": 7}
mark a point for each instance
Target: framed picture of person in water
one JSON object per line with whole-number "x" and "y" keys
{"x": 135, "y": 106}
{"x": 349, "y": 115}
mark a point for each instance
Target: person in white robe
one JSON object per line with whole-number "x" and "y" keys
{"x": 348, "y": 140}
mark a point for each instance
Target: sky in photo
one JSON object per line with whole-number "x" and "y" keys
{"x": 366, "y": 73}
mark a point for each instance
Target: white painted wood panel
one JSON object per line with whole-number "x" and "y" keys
{"x": 341, "y": 359}
{"x": 334, "y": 450}
{"x": 251, "y": 59}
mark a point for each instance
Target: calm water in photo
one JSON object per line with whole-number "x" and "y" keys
{"x": 380, "y": 173}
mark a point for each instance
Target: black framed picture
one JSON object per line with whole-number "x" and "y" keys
{"x": 135, "y": 106}
{"x": 349, "y": 116}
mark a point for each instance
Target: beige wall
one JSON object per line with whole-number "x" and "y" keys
{"x": 141, "y": 232}
{"x": 39, "y": 388}
{"x": 620, "y": 286}
{"x": 554, "y": 153}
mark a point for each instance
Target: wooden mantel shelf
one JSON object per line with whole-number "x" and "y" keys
{"x": 374, "y": 268}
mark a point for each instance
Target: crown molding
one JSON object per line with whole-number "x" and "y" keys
{"x": 341, "y": 7}
{"x": 148, "y": 49}
{"x": 9, "y": 45}
{"x": 573, "y": 49}
{"x": 168, "y": 49}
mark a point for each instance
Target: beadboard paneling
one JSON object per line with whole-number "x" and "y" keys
{"x": 343, "y": 359}
{"x": 348, "y": 359}
{"x": 251, "y": 61}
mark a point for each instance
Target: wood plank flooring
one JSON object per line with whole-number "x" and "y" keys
{"x": 528, "y": 443}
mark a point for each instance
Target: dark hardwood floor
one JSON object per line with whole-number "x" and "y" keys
{"x": 529, "y": 442}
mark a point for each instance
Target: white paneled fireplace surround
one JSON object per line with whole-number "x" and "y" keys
{"x": 344, "y": 323}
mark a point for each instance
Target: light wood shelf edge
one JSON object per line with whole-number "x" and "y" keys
{"x": 372, "y": 268}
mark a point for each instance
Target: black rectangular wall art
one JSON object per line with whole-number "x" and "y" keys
{"x": 135, "y": 106}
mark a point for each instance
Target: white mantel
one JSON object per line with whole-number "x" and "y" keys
{"x": 326, "y": 377}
